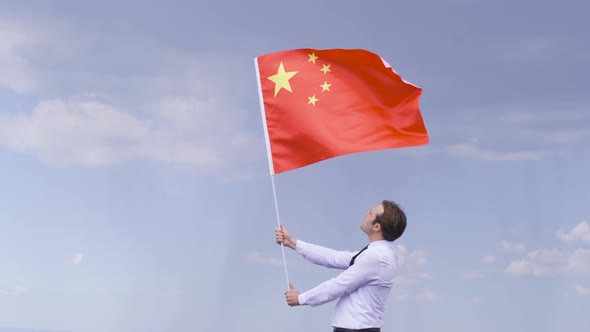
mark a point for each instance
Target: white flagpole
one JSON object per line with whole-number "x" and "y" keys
{"x": 270, "y": 165}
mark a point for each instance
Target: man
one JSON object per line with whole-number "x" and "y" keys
{"x": 362, "y": 289}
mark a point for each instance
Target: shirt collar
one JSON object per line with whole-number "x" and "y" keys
{"x": 380, "y": 243}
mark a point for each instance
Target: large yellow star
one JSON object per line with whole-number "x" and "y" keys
{"x": 312, "y": 57}
{"x": 312, "y": 100}
{"x": 326, "y": 86}
{"x": 325, "y": 69}
{"x": 281, "y": 79}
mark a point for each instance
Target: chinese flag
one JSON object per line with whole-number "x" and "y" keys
{"x": 319, "y": 104}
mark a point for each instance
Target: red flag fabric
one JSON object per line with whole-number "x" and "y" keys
{"x": 319, "y": 104}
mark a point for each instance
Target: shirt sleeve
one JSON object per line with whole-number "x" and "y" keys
{"x": 362, "y": 272}
{"x": 324, "y": 256}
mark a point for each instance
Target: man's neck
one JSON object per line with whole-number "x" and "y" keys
{"x": 375, "y": 237}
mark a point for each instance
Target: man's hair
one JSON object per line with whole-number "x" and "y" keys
{"x": 392, "y": 220}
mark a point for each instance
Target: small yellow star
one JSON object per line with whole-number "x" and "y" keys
{"x": 281, "y": 79}
{"x": 325, "y": 69}
{"x": 312, "y": 100}
{"x": 326, "y": 86}
{"x": 312, "y": 57}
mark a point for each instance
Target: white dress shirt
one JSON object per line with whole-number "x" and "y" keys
{"x": 361, "y": 290}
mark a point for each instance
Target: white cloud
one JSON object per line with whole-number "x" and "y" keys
{"x": 185, "y": 132}
{"x": 400, "y": 294}
{"x": 546, "y": 256}
{"x": 582, "y": 290}
{"x": 424, "y": 275}
{"x": 405, "y": 281}
{"x": 256, "y": 258}
{"x": 169, "y": 105}
{"x": 76, "y": 260}
{"x": 550, "y": 262}
{"x": 524, "y": 268}
{"x": 472, "y": 150}
{"x": 530, "y": 131}
{"x": 512, "y": 247}
{"x": 564, "y": 121}
{"x": 477, "y": 300}
{"x": 17, "y": 74}
{"x": 579, "y": 261}
{"x": 412, "y": 265}
{"x": 74, "y": 132}
{"x": 489, "y": 259}
{"x": 541, "y": 262}
{"x": 426, "y": 296}
{"x": 413, "y": 261}
{"x": 580, "y": 233}
{"x": 18, "y": 290}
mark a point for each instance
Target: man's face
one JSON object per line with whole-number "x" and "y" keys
{"x": 367, "y": 223}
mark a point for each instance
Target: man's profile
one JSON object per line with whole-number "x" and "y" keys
{"x": 361, "y": 290}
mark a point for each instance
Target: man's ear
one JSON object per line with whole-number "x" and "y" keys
{"x": 377, "y": 227}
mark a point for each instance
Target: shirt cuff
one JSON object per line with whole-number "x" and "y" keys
{"x": 301, "y": 299}
{"x": 302, "y": 248}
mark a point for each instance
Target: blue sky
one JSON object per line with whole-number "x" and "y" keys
{"x": 137, "y": 196}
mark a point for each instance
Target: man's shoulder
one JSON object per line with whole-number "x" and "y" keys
{"x": 384, "y": 251}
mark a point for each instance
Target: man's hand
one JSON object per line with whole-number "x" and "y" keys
{"x": 292, "y": 295}
{"x": 283, "y": 236}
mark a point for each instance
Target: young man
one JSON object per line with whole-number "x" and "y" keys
{"x": 362, "y": 288}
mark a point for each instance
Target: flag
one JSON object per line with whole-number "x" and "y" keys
{"x": 319, "y": 104}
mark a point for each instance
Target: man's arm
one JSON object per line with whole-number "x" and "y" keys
{"x": 316, "y": 254}
{"x": 324, "y": 256}
{"x": 359, "y": 274}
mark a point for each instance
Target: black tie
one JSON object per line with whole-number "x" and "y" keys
{"x": 354, "y": 257}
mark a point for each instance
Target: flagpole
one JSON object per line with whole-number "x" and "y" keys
{"x": 270, "y": 165}
{"x": 272, "y": 177}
